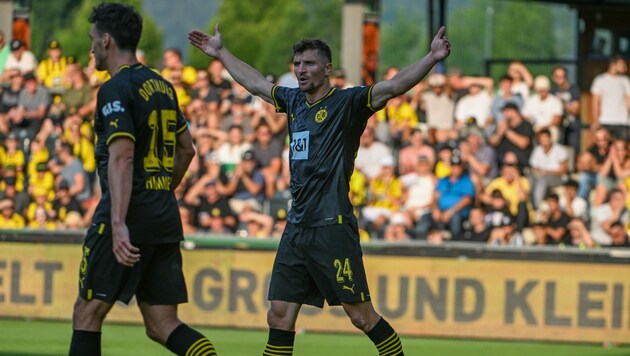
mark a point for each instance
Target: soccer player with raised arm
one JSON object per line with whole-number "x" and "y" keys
{"x": 319, "y": 257}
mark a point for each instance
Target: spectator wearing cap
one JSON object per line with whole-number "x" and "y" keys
{"x": 418, "y": 189}
{"x": 514, "y": 188}
{"x": 9, "y": 218}
{"x": 5, "y": 51}
{"x": 13, "y": 158}
{"x": 409, "y": 155}
{"x": 453, "y": 199}
{"x": 20, "y": 60}
{"x": 9, "y": 99}
{"x": 64, "y": 203}
{"x": 52, "y": 69}
{"x": 543, "y": 109}
{"x": 504, "y": 95}
{"x": 69, "y": 168}
{"x": 439, "y": 107}
{"x": 40, "y": 200}
{"x": 42, "y": 179}
{"x": 280, "y": 222}
{"x": 548, "y": 162}
{"x": 514, "y": 134}
{"x": 246, "y": 187}
{"x": 476, "y": 104}
{"x": 384, "y": 197}
{"x": 33, "y": 104}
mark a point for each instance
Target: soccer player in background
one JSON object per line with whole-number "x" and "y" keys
{"x": 143, "y": 150}
{"x": 319, "y": 256}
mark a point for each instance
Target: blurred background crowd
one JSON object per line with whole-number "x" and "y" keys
{"x": 458, "y": 158}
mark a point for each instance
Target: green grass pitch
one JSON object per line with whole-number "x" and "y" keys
{"x": 30, "y": 338}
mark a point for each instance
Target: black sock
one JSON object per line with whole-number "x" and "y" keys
{"x": 280, "y": 343}
{"x": 186, "y": 341}
{"x": 385, "y": 339}
{"x": 85, "y": 343}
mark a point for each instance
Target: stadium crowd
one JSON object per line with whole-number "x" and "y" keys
{"x": 458, "y": 158}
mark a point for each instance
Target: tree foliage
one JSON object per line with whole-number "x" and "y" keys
{"x": 402, "y": 42}
{"x": 74, "y": 34}
{"x": 263, "y": 33}
{"x": 519, "y": 30}
{"x": 46, "y": 17}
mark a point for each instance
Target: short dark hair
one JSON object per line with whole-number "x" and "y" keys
{"x": 553, "y": 196}
{"x": 506, "y": 77}
{"x": 120, "y": 21}
{"x": 176, "y": 51}
{"x": 319, "y": 45}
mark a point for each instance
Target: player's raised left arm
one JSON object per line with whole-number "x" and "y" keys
{"x": 411, "y": 75}
{"x": 184, "y": 153}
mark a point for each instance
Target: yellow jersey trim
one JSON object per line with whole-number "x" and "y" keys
{"x": 181, "y": 129}
{"x": 120, "y": 134}
{"x": 332, "y": 90}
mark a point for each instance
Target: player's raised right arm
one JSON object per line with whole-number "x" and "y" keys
{"x": 242, "y": 72}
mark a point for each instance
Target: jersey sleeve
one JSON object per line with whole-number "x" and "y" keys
{"x": 115, "y": 110}
{"x": 279, "y": 96}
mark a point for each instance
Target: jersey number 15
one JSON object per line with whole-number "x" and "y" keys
{"x": 161, "y": 154}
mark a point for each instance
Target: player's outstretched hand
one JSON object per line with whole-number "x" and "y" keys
{"x": 440, "y": 47}
{"x": 210, "y": 45}
{"x": 126, "y": 253}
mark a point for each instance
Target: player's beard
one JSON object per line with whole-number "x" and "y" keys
{"x": 100, "y": 62}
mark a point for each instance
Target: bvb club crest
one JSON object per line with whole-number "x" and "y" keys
{"x": 321, "y": 115}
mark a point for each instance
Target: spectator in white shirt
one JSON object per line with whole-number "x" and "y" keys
{"x": 610, "y": 95}
{"x": 20, "y": 60}
{"x": 543, "y": 109}
{"x": 549, "y": 166}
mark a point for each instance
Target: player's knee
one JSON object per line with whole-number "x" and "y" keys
{"x": 153, "y": 334}
{"x": 88, "y": 315}
{"x": 360, "y": 322}
{"x": 278, "y": 320}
